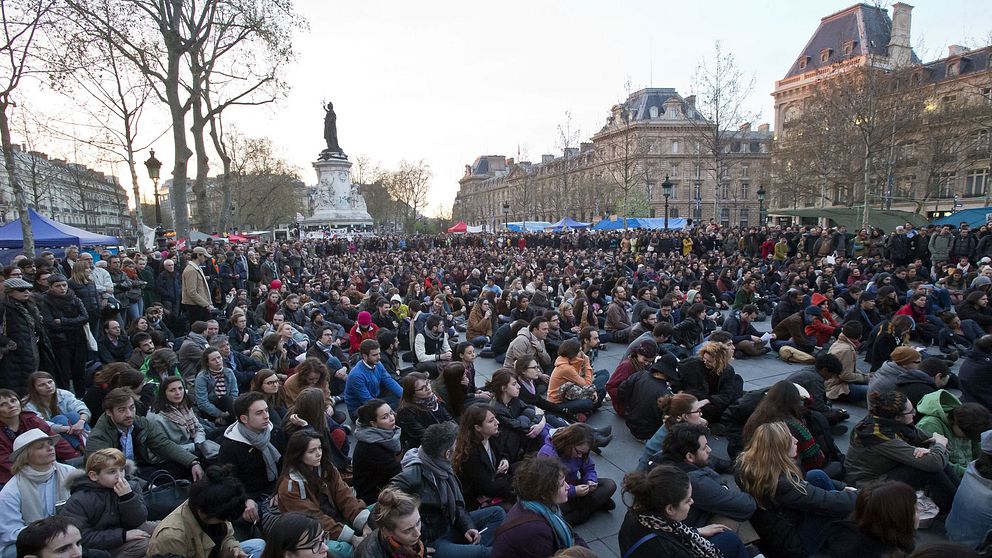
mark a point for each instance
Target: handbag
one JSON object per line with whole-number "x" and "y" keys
{"x": 90, "y": 340}
{"x": 570, "y": 391}
{"x": 162, "y": 499}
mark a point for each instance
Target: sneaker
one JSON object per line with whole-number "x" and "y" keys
{"x": 580, "y": 417}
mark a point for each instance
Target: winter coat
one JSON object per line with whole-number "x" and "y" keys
{"x": 895, "y": 445}
{"x": 413, "y": 421}
{"x": 712, "y": 496}
{"x": 940, "y": 247}
{"x": 374, "y": 465}
{"x": 72, "y": 316}
{"x": 976, "y": 378}
{"x": 181, "y": 534}
{"x": 168, "y": 287}
{"x": 103, "y": 517}
{"x": 88, "y": 294}
{"x": 349, "y": 513}
{"x": 793, "y": 328}
{"x": 247, "y": 463}
{"x": 526, "y": 534}
{"x": 203, "y": 389}
{"x": 578, "y": 470}
{"x": 577, "y": 371}
{"x": 847, "y": 540}
{"x": 479, "y": 478}
{"x": 151, "y": 445}
{"x": 435, "y": 515}
{"x": 65, "y": 402}
{"x": 664, "y": 544}
{"x": 29, "y": 420}
{"x": 195, "y": 289}
{"x": 740, "y": 329}
{"x": 935, "y": 408}
{"x": 968, "y": 311}
{"x": 884, "y": 379}
{"x": 23, "y": 324}
{"x": 639, "y": 394}
{"x": 847, "y": 353}
{"x": 525, "y": 344}
{"x": 697, "y": 381}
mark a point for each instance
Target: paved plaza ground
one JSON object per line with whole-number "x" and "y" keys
{"x": 622, "y": 454}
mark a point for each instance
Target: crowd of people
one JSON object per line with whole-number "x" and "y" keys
{"x": 320, "y": 397}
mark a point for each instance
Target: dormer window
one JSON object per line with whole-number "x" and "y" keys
{"x": 848, "y": 48}
{"x": 803, "y": 62}
{"x": 954, "y": 68}
{"x": 653, "y": 111}
{"x": 825, "y": 54}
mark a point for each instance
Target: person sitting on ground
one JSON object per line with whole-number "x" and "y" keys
{"x": 52, "y": 537}
{"x": 932, "y": 375}
{"x": 639, "y": 395}
{"x": 713, "y": 500}
{"x": 376, "y": 458}
{"x": 885, "y": 444}
{"x": 142, "y": 442}
{"x": 747, "y": 340}
{"x": 398, "y": 524}
{"x": 172, "y": 411}
{"x": 215, "y": 389}
{"x": 524, "y": 427}
{"x": 654, "y": 524}
{"x": 118, "y": 375}
{"x": 271, "y": 353}
{"x": 883, "y": 524}
{"x": 114, "y": 346}
{"x": 791, "y": 331}
{"x": 369, "y": 380}
{"x": 191, "y": 350}
{"x": 793, "y": 514}
{"x": 108, "y": 508}
{"x": 641, "y": 358}
{"x": 39, "y": 484}
{"x": 363, "y": 330}
{"x": 572, "y": 368}
{"x": 310, "y": 484}
{"x": 889, "y": 336}
{"x": 961, "y": 423}
{"x": 162, "y": 364}
{"x": 419, "y": 408}
{"x": 971, "y": 516}
{"x": 311, "y": 373}
{"x": 142, "y": 349}
{"x": 479, "y": 462}
{"x": 431, "y": 346}
{"x": 975, "y": 374}
{"x": 676, "y": 409}
{"x": 447, "y": 525}
{"x": 851, "y": 384}
{"x": 903, "y": 362}
{"x": 535, "y": 526}
{"x": 587, "y": 492}
{"x": 814, "y": 380}
{"x": 201, "y": 526}
{"x": 15, "y": 423}
{"x": 711, "y": 378}
{"x": 65, "y": 415}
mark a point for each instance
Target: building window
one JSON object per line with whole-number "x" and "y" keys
{"x": 675, "y": 170}
{"x": 848, "y": 48}
{"x": 987, "y": 93}
{"x": 975, "y": 183}
{"x": 725, "y": 217}
{"x": 945, "y": 184}
{"x": 745, "y": 190}
{"x": 825, "y": 54}
{"x": 954, "y": 68}
{"x": 744, "y": 214}
{"x": 744, "y": 171}
{"x": 675, "y": 147}
{"x": 653, "y": 112}
{"x": 698, "y": 172}
{"x": 803, "y": 62}
{"x": 725, "y": 190}
{"x": 673, "y": 213}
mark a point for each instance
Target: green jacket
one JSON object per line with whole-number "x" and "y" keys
{"x": 935, "y": 408}
{"x": 151, "y": 444}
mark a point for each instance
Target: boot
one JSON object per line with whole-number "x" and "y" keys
{"x": 604, "y": 431}
{"x": 951, "y": 357}
{"x": 601, "y": 440}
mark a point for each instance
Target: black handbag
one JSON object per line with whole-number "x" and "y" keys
{"x": 164, "y": 494}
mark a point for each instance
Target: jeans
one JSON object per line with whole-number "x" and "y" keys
{"x": 253, "y": 547}
{"x": 68, "y": 419}
{"x": 730, "y": 545}
{"x": 858, "y": 393}
{"x": 135, "y": 310}
{"x": 479, "y": 342}
{"x": 819, "y": 479}
{"x": 454, "y": 545}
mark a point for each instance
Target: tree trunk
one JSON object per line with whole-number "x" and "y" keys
{"x": 136, "y": 217}
{"x": 179, "y": 177}
{"x": 225, "y": 209}
{"x": 15, "y": 185}
{"x": 203, "y": 220}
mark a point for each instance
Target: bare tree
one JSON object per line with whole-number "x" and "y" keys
{"x": 266, "y": 190}
{"x": 409, "y": 185}
{"x": 719, "y": 116}
{"x": 561, "y": 192}
{"x": 22, "y": 20}
{"x": 622, "y": 156}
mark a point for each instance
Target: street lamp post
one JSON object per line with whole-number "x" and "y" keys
{"x": 154, "y": 166}
{"x": 761, "y": 205}
{"x": 506, "y": 215}
{"x": 666, "y": 189}
{"x": 699, "y": 200}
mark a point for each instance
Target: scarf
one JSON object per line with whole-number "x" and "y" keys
{"x": 184, "y": 418}
{"x": 220, "y": 382}
{"x": 29, "y": 484}
{"x": 527, "y": 384}
{"x": 690, "y": 538}
{"x": 390, "y": 439}
{"x": 260, "y": 441}
{"x": 429, "y": 404}
{"x": 563, "y": 534}
{"x": 445, "y": 479}
{"x": 397, "y": 550}
{"x": 873, "y": 430}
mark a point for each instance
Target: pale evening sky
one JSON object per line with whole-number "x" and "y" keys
{"x": 447, "y": 80}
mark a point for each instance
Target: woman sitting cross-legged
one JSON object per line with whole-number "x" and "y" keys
{"x": 267, "y": 382}
{"x": 886, "y": 444}
{"x": 38, "y": 485}
{"x": 173, "y": 411}
{"x": 883, "y": 524}
{"x": 310, "y": 484}
{"x": 216, "y": 388}
{"x": 524, "y": 428}
{"x": 535, "y": 526}
{"x": 587, "y": 492}
{"x": 793, "y": 515}
{"x": 397, "y": 534}
{"x": 479, "y": 461}
{"x": 64, "y": 414}
{"x": 377, "y": 454}
{"x": 419, "y": 409}
{"x": 654, "y": 524}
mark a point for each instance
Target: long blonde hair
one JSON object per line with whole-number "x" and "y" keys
{"x": 765, "y": 460}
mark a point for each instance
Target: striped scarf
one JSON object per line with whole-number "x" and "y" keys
{"x": 220, "y": 383}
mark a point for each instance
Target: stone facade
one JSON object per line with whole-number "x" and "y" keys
{"x": 68, "y": 193}
{"x": 936, "y": 158}
{"x": 655, "y": 133}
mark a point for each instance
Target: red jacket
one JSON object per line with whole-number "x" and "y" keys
{"x": 623, "y": 371}
{"x": 29, "y": 420}
{"x": 356, "y": 336}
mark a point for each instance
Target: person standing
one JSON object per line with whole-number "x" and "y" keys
{"x": 196, "y": 291}
{"x": 23, "y": 342}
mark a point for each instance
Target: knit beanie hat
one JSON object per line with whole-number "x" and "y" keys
{"x": 904, "y": 355}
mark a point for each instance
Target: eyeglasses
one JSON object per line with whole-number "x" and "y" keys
{"x": 318, "y": 546}
{"x": 425, "y": 387}
{"x": 271, "y": 382}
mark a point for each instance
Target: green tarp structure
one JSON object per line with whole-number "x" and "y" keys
{"x": 885, "y": 220}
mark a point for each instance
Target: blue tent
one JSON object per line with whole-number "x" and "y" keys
{"x": 653, "y": 223}
{"x": 568, "y": 223}
{"x": 975, "y": 217}
{"x": 49, "y": 233}
{"x": 531, "y": 226}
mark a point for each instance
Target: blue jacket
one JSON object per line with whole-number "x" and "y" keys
{"x": 203, "y": 388}
{"x": 364, "y": 384}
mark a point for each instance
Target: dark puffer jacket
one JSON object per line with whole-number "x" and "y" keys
{"x": 103, "y": 517}
{"x": 22, "y": 324}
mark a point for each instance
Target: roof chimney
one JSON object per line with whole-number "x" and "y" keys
{"x": 763, "y": 127}
{"x": 745, "y": 127}
{"x": 547, "y": 158}
{"x": 956, "y": 50}
{"x": 900, "y": 53}
{"x": 509, "y": 161}
{"x": 468, "y": 170}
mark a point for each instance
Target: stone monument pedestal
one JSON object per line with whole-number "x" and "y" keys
{"x": 336, "y": 202}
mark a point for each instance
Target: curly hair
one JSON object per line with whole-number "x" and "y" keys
{"x": 538, "y": 479}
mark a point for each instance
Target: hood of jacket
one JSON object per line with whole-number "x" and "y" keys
{"x": 818, "y": 299}
{"x": 907, "y": 377}
{"x": 411, "y": 457}
{"x": 938, "y": 404}
{"x": 892, "y": 370}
